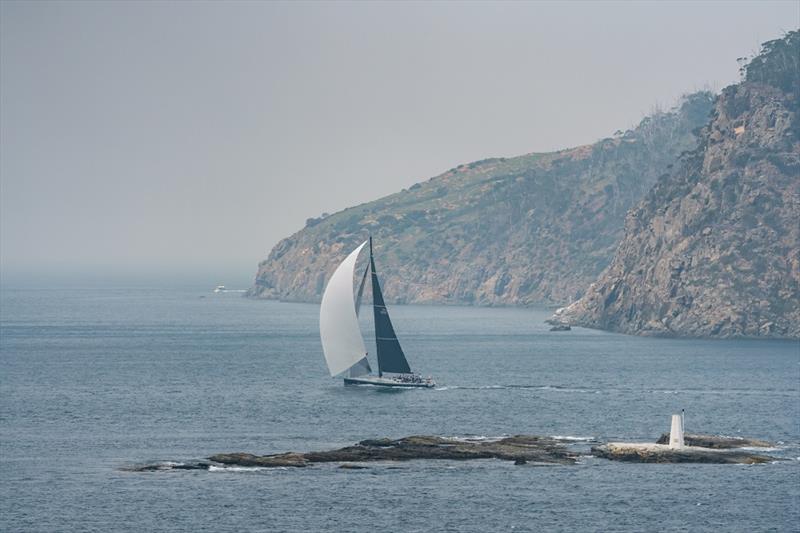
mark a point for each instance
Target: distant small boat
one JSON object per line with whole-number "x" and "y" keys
{"x": 341, "y": 337}
{"x": 220, "y": 288}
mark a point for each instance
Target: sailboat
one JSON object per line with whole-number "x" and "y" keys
{"x": 341, "y": 337}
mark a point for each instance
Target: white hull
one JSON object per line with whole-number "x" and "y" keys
{"x": 390, "y": 382}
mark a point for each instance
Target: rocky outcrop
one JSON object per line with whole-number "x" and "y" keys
{"x": 715, "y": 449}
{"x": 521, "y": 448}
{"x": 531, "y": 229}
{"x": 714, "y": 248}
{"x": 717, "y": 441}
{"x": 659, "y": 453}
{"x": 248, "y": 459}
{"x": 162, "y": 466}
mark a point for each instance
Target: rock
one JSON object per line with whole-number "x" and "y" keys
{"x": 521, "y": 447}
{"x": 717, "y": 441}
{"x": 167, "y": 465}
{"x": 660, "y": 453}
{"x": 713, "y": 250}
{"x": 192, "y": 466}
{"x": 520, "y": 461}
{"x": 248, "y": 459}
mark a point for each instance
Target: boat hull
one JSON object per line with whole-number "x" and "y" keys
{"x": 389, "y": 382}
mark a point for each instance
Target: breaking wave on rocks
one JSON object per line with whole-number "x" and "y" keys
{"x": 571, "y": 438}
{"x": 477, "y": 438}
{"x": 214, "y": 468}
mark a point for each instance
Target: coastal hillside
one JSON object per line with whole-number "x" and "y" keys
{"x": 531, "y": 229}
{"x": 714, "y": 248}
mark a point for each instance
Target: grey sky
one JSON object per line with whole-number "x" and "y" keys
{"x": 156, "y": 136}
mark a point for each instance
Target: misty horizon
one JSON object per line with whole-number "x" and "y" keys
{"x": 198, "y": 135}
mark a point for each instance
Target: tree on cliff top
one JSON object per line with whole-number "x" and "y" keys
{"x": 777, "y": 64}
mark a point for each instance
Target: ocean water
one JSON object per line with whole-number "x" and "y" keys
{"x": 96, "y": 379}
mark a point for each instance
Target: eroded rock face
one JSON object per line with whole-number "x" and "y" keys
{"x": 531, "y": 229}
{"x": 714, "y": 248}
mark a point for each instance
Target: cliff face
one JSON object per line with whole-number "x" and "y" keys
{"x": 531, "y": 229}
{"x": 714, "y": 248}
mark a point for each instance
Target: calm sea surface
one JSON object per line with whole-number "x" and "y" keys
{"x": 96, "y": 379}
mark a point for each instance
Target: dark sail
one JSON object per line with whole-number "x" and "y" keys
{"x": 390, "y": 354}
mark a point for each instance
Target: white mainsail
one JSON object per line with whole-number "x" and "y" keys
{"x": 338, "y": 323}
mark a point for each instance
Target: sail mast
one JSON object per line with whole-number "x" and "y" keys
{"x": 373, "y": 278}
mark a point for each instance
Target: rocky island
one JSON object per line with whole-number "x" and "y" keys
{"x": 686, "y": 448}
{"x": 642, "y": 452}
{"x": 718, "y": 441}
{"x": 520, "y": 449}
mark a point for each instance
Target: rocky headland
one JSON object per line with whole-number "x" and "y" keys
{"x": 713, "y": 250}
{"x": 534, "y": 229}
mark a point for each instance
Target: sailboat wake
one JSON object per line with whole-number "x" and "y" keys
{"x": 517, "y": 386}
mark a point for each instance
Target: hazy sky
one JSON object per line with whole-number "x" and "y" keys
{"x": 148, "y": 136}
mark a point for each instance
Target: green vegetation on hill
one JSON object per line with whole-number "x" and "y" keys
{"x": 534, "y": 229}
